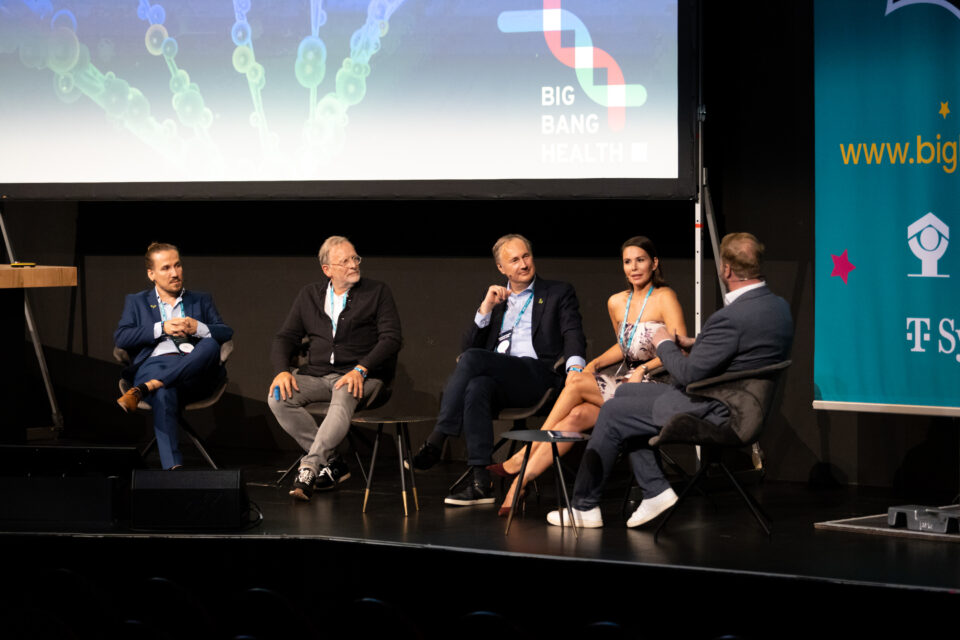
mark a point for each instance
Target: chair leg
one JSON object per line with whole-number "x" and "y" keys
{"x": 295, "y": 466}
{"x": 197, "y": 442}
{"x": 352, "y": 441}
{"x": 463, "y": 476}
{"x": 701, "y": 472}
{"x": 758, "y": 513}
{"x": 150, "y": 447}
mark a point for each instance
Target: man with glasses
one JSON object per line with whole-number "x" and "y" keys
{"x": 354, "y": 332}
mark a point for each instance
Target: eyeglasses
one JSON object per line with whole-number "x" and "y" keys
{"x": 349, "y": 262}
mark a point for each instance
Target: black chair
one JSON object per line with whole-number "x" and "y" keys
{"x": 749, "y": 397}
{"x": 319, "y": 410}
{"x": 123, "y": 357}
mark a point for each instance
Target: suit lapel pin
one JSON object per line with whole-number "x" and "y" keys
{"x": 540, "y": 301}
{"x": 153, "y": 306}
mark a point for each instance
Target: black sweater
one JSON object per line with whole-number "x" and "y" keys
{"x": 368, "y": 332}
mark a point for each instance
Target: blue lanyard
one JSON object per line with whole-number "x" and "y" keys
{"x": 163, "y": 316}
{"x": 333, "y": 315}
{"x": 519, "y": 315}
{"x": 623, "y": 323}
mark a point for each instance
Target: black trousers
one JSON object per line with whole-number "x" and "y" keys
{"x": 483, "y": 383}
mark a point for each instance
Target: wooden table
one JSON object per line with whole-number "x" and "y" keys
{"x": 38, "y": 276}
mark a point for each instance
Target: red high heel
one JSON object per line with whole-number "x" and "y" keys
{"x": 505, "y": 508}
{"x": 498, "y": 470}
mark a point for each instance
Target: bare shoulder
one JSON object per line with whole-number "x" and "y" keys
{"x": 666, "y": 294}
{"x": 617, "y": 301}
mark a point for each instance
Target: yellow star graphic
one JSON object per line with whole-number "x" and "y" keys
{"x": 944, "y": 109}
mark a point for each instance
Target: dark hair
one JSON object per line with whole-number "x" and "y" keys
{"x": 157, "y": 247}
{"x": 643, "y": 242}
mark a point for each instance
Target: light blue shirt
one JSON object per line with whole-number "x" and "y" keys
{"x": 172, "y": 311}
{"x": 332, "y": 306}
{"x": 521, "y": 342}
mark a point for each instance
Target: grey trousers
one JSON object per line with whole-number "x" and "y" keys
{"x": 319, "y": 442}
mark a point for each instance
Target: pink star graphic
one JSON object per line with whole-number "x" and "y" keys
{"x": 841, "y": 266}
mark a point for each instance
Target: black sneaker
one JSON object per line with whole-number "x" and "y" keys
{"x": 333, "y": 474}
{"x": 303, "y": 485}
{"x": 428, "y": 456}
{"x": 479, "y": 490}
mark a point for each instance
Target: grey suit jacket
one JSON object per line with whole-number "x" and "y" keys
{"x": 754, "y": 331}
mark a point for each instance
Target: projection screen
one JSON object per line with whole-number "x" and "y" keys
{"x": 252, "y": 98}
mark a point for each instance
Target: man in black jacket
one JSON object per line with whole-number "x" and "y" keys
{"x": 510, "y": 351}
{"x": 354, "y": 332}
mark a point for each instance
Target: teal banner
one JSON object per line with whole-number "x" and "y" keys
{"x": 887, "y": 94}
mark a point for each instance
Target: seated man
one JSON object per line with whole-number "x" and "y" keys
{"x": 510, "y": 350}
{"x": 753, "y": 330}
{"x": 354, "y": 332}
{"x": 174, "y": 337}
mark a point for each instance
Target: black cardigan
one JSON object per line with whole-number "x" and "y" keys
{"x": 368, "y": 331}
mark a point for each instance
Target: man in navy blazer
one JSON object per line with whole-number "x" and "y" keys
{"x": 753, "y": 330}
{"x": 174, "y": 337}
{"x": 510, "y": 351}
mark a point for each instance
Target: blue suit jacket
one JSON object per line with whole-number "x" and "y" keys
{"x": 556, "y": 326}
{"x": 140, "y": 313}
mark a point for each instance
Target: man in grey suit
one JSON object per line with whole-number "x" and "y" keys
{"x": 753, "y": 330}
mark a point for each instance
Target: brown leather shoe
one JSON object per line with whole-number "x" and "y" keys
{"x": 129, "y": 400}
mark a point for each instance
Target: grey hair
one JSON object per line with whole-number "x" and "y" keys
{"x": 327, "y": 246}
{"x": 498, "y": 245}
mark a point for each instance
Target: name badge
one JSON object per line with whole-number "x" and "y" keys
{"x": 503, "y": 342}
{"x": 185, "y": 347}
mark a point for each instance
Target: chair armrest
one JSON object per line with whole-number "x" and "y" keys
{"x": 122, "y": 356}
{"x": 225, "y": 350}
{"x": 730, "y": 376}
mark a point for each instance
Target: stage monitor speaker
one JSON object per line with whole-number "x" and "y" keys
{"x": 188, "y": 499}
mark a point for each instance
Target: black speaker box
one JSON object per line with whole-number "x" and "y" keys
{"x": 188, "y": 499}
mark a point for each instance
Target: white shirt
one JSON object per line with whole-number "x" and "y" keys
{"x": 730, "y": 296}
{"x": 172, "y": 311}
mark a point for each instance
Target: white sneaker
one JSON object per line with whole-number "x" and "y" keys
{"x": 650, "y": 508}
{"x": 589, "y": 519}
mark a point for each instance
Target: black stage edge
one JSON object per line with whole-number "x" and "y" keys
{"x": 712, "y": 573}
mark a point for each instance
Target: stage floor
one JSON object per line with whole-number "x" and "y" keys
{"x": 700, "y": 537}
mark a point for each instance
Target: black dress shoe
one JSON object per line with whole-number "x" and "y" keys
{"x": 428, "y": 456}
{"x": 476, "y": 492}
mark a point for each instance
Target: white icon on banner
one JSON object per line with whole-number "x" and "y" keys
{"x": 928, "y": 238}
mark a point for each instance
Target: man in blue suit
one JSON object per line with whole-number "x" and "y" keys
{"x": 510, "y": 349}
{"x": 753, "y": 330}
{"x": 174, "y": 338}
